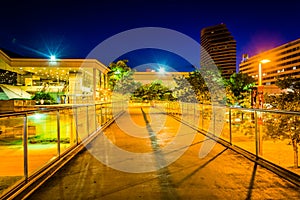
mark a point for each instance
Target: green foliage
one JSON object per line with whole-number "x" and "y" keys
{"x": 214, "y": 82}
{"x": 184, "y": 91}
{"x": 289, "y": 82}
{"x": 202, "y": 85}
{"x": 197, "y": 82}
{"x": 192, "y": 88}
{"x": 290, "y": 99}
{"x": 238, "y": 89}
{"x": 44, "y": 96}
{"x": 286, "y": 126}
{"x": 152, "y": 91}
{"x": 121, "y": 78}
{"x": 118, "y": 71}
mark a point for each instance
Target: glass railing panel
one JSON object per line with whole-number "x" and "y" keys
{"x": 225, "y": 134}
{"x": 42, "y": 139}
{"x": 109, "y": 111}
{"x": 116, "y": 107}
{"x": 11, "y": 151}
{"x": 201, "y": 115}
{"x": 99, "y": 114}
{"x": 82, "y": 123}
{"x": 278, "y": 139}
{"x": 67, "y": 129}
{"x": 190, "y": 110}
{"x": 104, "y": 113}
{"x": 207, "y": 117}
{"x": 197, "y": 116}
{"x": 243, "y": 129}
{"x": 91, "y": 118}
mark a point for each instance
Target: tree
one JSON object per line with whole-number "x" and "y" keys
{"x": 290, "y": 98}
{"x": 192, "y": 88}
{"x": 183, "y": 90}
{"x": 121, "y": 78}
{"x": 153, "y": 91}
{"x": 286, "y": 126}
{"x": 238, "y": 88}
{"x": 199, "y": 86}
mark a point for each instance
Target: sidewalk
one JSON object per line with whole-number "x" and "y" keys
{"x": 222, "y": 174}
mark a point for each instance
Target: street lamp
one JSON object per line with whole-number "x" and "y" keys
{"x": 161, "y": 70}
{"x": 259, "y": 145}
{"x": 264, "y": 61}
{"x": 260, "y": 86}
{"x": 53, "y": 58}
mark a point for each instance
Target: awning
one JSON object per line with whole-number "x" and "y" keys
{"x": 8, "y": 92}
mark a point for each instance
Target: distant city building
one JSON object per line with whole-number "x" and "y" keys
{"x": 219, "y": 46}
{"x": 284, "y": 61}
{"x": 166, "y": 78}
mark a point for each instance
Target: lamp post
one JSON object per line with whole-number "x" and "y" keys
{"x": 260, "y": 86}
{"x": 259, "y": 145}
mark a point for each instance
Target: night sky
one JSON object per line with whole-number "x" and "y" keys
{"x": 73, "y": 29}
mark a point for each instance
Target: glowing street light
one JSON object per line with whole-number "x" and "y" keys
{"x": 260, "y": 86}
{"x": 264, "y": 61}
{"x": 161, "y": 70}
{"x": 259, "y": 150}
{"x": 52, "y": 58}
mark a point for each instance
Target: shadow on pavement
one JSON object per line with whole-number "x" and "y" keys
{"x": 200, "y": 167}
{"x": 167, "y": 186}
{"x": 249, "y": 194}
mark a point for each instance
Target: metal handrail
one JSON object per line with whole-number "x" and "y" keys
{"x": 91, "y": 118}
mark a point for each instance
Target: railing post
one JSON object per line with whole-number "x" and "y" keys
{"x": 25, "y": 146}
{"x": 100, "y": 114}
{"x": 87, "y": 120}
{"x": 186, "y": 109}
{"x": 96, "y": 124}
{"x": 256, "y": 135}
{"x": 76, "y": 125}
{"x": 194, "y": 120}
{"x": 58, "y": 132}
{"x": 214, "y": 116}
{"x": 202, "y": 117}
{"x": 230, "y": 128}
{"x": 110, "y": 111}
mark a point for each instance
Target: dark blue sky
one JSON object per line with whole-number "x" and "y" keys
{"x": 73, "y": 28}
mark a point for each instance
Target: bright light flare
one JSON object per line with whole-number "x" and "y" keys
{"x": 265, "y": 61}
{"x": 53, "y": 58}
{"x": 38, "y": 116}
{"x": 161, "y": 70}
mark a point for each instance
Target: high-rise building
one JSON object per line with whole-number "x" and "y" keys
{"x": 284, "y": 61}
{"x": 218, "y": 47}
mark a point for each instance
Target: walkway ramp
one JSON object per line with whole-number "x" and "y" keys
{"x": 102, "y": 172}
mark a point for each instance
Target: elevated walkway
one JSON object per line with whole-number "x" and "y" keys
{"x": 160, "y": 160}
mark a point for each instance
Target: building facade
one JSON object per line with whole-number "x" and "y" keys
{"x": 166, "y": 78}
{"x": 284, "y": 60}
{"x": 218, "y": 47}
{"x": 69, "y": 80}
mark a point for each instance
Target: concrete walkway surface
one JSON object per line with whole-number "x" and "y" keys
{"x": 222, "y": 174}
